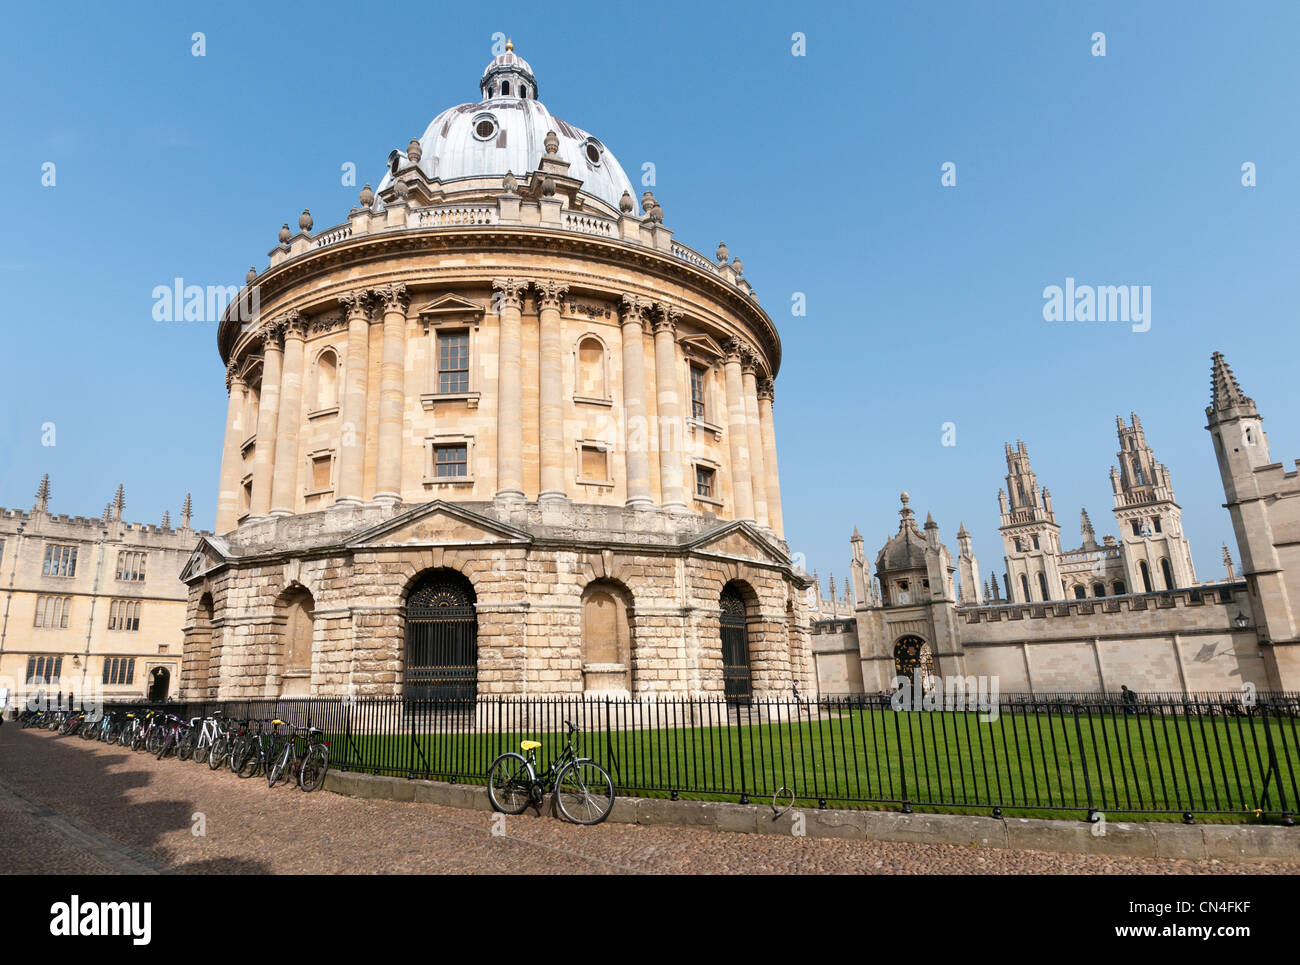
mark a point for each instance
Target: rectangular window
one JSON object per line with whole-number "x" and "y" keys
{"x": 44, "y": 669}
{"x": 595, "y": 464}
{"x": 52, "y": 612}
{"x": 320, "y": 472}
{"x": 124, "y": 615}
{"x": 704, "y": 482}
{"x": 450, "y": 461}
{"x": 119, "y": 670}
{"x": 60, "y": 560}
{"x": 453, "y": 362}
{"x": 697, "y": 392}
{"x": 1157, "y": 523}
{"x": 130, "y": 566}
{"x": 1036, "y": 546}
{"x": 1137, "y": 527}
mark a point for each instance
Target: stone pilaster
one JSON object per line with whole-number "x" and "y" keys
{"x": 392, "y": 392}
{"x": 352, "y": 423}
{"x": 231, "y": 458}
{"x": 507, "y": 298}
{"x": 671, "y": 427}
{"x": 766, "y": 394}
{"x": 738, "y": 432}
{"x": 550, "y": 296}
{"x": 635, "y": 311}
{"x": 284, "y": 488}
{"x": 757, "y": 472}
{"x": 268, "y": 412}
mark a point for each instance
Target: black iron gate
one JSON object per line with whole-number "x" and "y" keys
{"x": 735, "y": 648}
{"x": 441, "y": 641}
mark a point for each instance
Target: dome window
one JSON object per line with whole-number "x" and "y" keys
{"x": 592, "y": 150}
{"x": 505, "y": 88}
{"x": 485, "y": 127}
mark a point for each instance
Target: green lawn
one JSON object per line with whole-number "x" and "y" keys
{"x": 1035, "y": 764}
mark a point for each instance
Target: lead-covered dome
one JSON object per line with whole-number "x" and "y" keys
{"x": 506, "y": 131}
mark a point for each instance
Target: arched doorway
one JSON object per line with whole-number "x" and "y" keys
{"x": 441, "y": 638}
{"x": 911, "y": 654}
{"x": 201, "y": 648}
{"x": 736, "y": 684}
{"x": 159, "y": 681}
{"x": 296, "y": 643}
{"x": 606, "y": 639}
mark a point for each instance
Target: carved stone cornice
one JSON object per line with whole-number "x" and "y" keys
{"x": 357, "y": 304}
{"x": 394, "y": 297}
{"x": 327, "y": 322}
{"x": 550, "y": 295}
{"x": 666, "y": 317}
{"x": 767, "y": 389}
{"x": 636, "y": 310}
{"x": 508, "y": 293}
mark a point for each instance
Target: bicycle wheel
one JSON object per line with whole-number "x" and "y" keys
{"x": 276, "y": 769}
{"x": 217, "y": 754}
{"x": 250, "y": 765}
{"x": 154, "y": 743}
{"x": 584, "y": 792}
{"x": 510, "y": 784}
{"x": 185, "y": 749}
{"x": 167, "y": 744}
{"x": 314, "y": 767}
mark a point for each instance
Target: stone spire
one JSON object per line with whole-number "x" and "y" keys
{"x": 119, "y": 503}
{"x": 167, "y": 520}
{"x": 187, "y": 511}
{"x": 1085, "y": 528}
{"x": 1225, "y": 393}
{"x": 43, "y": 495}
{"x": 848, "y": 592}
{"x": 1227, "y": 563}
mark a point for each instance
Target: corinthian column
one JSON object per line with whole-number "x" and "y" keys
{"x": 231, "y": 460}
{"x": 352, "y": 422}
{"x": 757, "y": 475}
{"x": 670, "y": 414}
{"x": 268, "y": 412}
{"x": 507, "y": 297}
{"x": 634, "y": 410}
{"x": 766, "y": 392}
{"x": 738, "y": 432}
{"x": 550, "y": 295}
{"x": 284, "y": 489}
{"x": 392, "y": 393}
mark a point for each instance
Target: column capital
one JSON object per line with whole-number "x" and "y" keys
{"x": 508, "y": 293}
{"x": 357, "y": 304}
{"x": 394, "y": 297}
{"x": 294, "y": 324}
{"x": 550, "y": 294}
{"x": 666, "y": 317}
{"x": 635, "y": 309}
{"x": 735, "y": 350}
{"x": 272, "y": 333}
{"x": 748, "y": 359}
{"x": 233, "y": 375}
{"x": 767, "y": 389}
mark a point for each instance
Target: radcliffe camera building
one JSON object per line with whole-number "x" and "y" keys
{"x": 498, "y": 432}
{"x": 1124, "y": 611}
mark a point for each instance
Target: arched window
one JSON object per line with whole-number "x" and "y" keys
{"x": 1042, "y": 585}
{"x": 913, "y": 655}
{"x": 1024, "y": 586}
{"x": 734, "y": 629}
{"x": 589, "y": 379}
{"x": 1118, "y": 588}
{"x": 296, "y": 643}
{"x": 1168, "y": 573}
{"x": 606, "y": 639}
{"x": 441, "y": 638}
{"x": 1080, "y": 593}
{"x": 1099, "y": 589}
{"x": 199, "y": 645}
{"x": 1146, "y": 575}
{"x": 505, "y": 88}
{"x": 327, "y": 380}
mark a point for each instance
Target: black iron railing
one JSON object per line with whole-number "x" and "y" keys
{"x": 1060, "y": 754}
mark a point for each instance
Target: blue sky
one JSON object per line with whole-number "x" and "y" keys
{"x": 822, "y": 172}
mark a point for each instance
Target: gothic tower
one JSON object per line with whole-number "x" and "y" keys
{"x": 1155, "y": 551}
{"x": 1031, "y": 539}
{"x": 968, "y": 569}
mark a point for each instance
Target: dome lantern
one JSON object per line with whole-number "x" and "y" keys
{"x": 509, "y": 75}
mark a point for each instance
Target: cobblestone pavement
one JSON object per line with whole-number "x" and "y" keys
{"x": 67, "y": 806}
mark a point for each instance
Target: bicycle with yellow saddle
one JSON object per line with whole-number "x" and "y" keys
{"x": 583, "y": 790}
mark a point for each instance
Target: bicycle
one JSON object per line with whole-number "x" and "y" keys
{"x": 584, "y": 791}
{"x": 309, "y": 769}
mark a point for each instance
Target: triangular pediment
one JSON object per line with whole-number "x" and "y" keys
{"x": 206, "y": 557}
{"x": 703, "y": 346}
{"x": 451, "y": 306}
{"x": 438, "y": 523}
{"x": 739, "y": 540}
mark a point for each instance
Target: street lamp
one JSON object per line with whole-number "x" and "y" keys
{"x": 1241, "y": 620}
